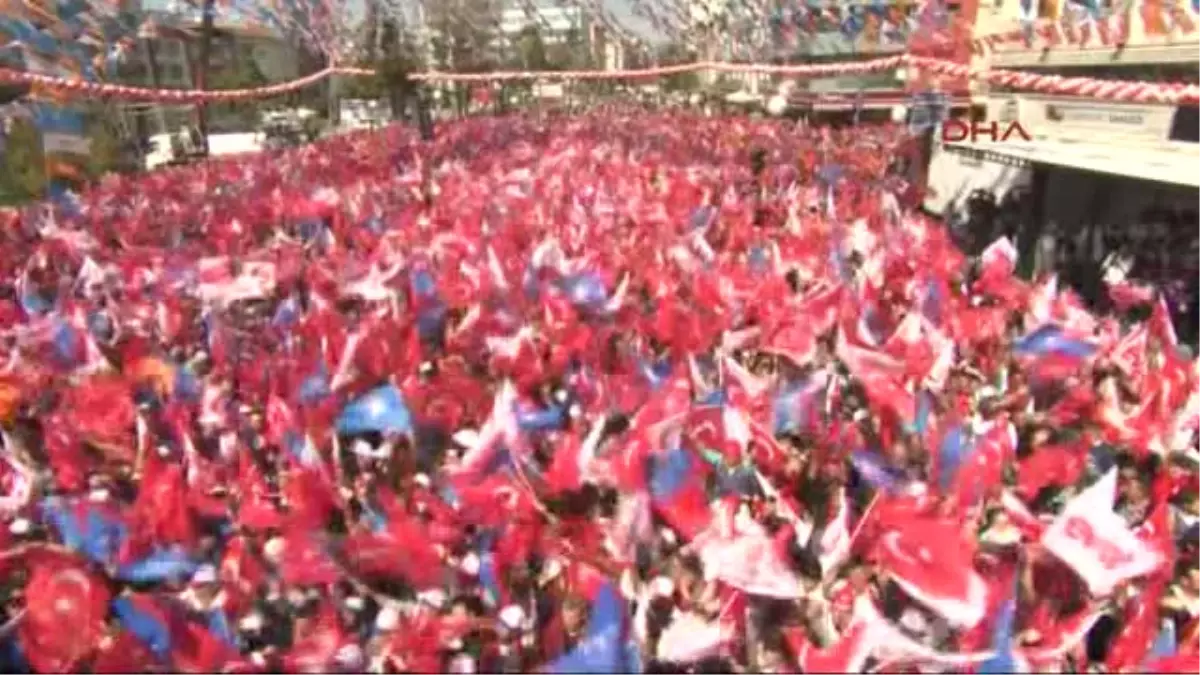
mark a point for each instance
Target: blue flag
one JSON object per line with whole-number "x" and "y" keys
{"x": 795, "y": 406}
{"x": 86, "y": 528}
{"x": 602, "y": 650}
{"x": 382, "y": 409}
{"x": 1005, "y": 658}
{"x": 1051, "y": 339}
{"x": 541, "y": 420}
{"x": 1164, "y": 645}
{"x": 875, "y": 471}
{"x": 670, "y": 473}
{"x": 487, "y": 570}
{"x": 161, "y": 565}
{"x": 314, "y": 387}
{"x": 144, "y": 625}
{"x": 585, "y": 290}
{"x": 956, "y": 447}
{"x": 924, "y": 410}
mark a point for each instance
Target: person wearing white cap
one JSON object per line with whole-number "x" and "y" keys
{"x": 462, "y": 664}
{"x": 470, "y": 564}
{"x": 205, "y": 574}
{"x": 204, "y": 593}
{"x": 349, "y": 658}
{"x": 273, "y": 549}
{"x": 434, "y": 597}
{"x": 388, "y": 618}
{"x": 512, "y": 617}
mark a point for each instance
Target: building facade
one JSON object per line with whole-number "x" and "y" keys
{"x": 555, "y": 23}
{"x": 1113, "y": 160}
{"x": 1118, "y": 35}
{"x": 837, "y": 31}
{"x": 165, "y": 58}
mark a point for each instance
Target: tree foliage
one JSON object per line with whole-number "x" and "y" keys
{"x": 24, "y": 174}
{"x": 394, "y": 65}
{"x": 677, "y": 53}
{"x": 107, "y": 151}
{"x": 531, "y": 49}
{"x": 241, "y": 73}
{"x": 23, "y": 164}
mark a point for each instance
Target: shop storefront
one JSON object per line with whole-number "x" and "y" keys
{"x": 1085, "y": 161}
{"x": 1090, "y": 179}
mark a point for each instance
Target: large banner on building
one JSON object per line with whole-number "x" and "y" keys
{"x": 60, "y": 123}
{"x": 1090, "y": 24}
{"x": 63, "y": 129}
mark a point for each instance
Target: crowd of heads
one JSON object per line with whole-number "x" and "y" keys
{"x": 610, "y": 392}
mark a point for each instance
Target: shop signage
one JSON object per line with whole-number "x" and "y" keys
{"x": 958, "y": 131}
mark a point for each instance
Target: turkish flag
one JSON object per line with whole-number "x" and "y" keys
{"x": 67, "y": 606}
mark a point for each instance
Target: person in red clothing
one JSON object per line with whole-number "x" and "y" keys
{"x": 565, "y": 628}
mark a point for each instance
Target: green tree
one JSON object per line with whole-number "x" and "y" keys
{"x": 572, "y": 52}
{"x": 685, "y": 82}
{"x": 531, "y": 49}
{"x": 107, "y": 154}
{"x": 242, "y": 73}
{"x": 394, "y": 67}
{"x": 24, "y": 174}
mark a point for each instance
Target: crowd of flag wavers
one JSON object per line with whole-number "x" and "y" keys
{"x": 621, "y": 391}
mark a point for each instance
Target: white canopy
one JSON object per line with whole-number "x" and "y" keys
{"x": 1173, "y": 163}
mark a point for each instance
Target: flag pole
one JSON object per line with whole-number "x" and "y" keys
{"x": 829, "y": 578}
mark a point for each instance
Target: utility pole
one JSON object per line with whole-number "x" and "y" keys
{"x": 207, "y": 20}
{"x": 150, "y": 50}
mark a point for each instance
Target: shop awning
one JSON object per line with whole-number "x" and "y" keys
{"x": 1175, "y": 163}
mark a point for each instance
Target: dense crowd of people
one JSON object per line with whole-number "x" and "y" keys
{"x": 610, "y": 392}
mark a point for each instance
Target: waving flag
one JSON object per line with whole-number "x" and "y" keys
{"x": 849, "y": 653}
{"x": 998, "y": 260}
{"x": 798, "y": 407}
{"x": 66, "y": 608}
{"x": 1164, "y": 646}
{"x": 602, "y": 649}
{"x": 1095, "y": 542}
{"x": 93, "y": 530}
{"x": 691, "y": 638}
{"x": 677, "y": 491}
{"x": 1053, "y": 340}
{"x": 585, "y": 290}
{"x": 1006, "y": 659}
{"x": 500, "y": 434}
{"x": 161, "y": 565}
{"x": 926, "y": 558}
{"x": 381, "y": 409}
{"x": 162, "y": 625}
{"x": 875, "y": 471}
{"x": 541, "y": 420}
{"x": 834, "y": 546}
{"x": 956, "y": 447}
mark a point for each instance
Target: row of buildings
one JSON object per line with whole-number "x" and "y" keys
{"x": 487, "y": 32}
{"x": 499, "y": 26}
